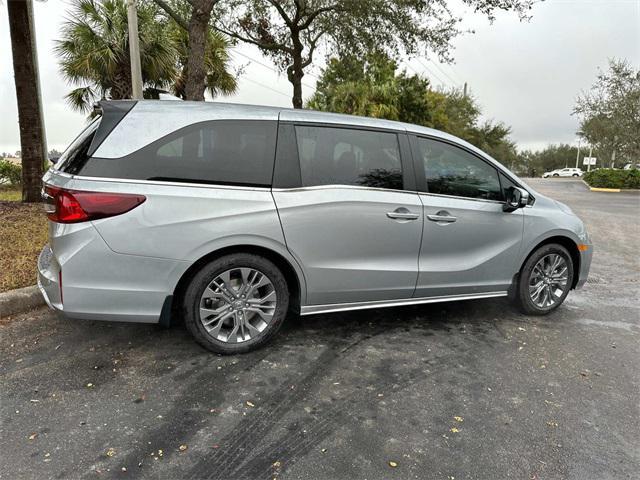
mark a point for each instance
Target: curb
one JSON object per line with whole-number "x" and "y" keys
{"x": 598, "y": 189}
{"x": 20, "y": 300}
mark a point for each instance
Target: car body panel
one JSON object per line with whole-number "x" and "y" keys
{"x": 475, "y": 253}
{"x": 349, "y": 249}
{"x": 346, "y": 252}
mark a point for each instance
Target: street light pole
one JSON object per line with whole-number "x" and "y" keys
{"x": 578, "y": 154}
{"x": 134, "y": 51}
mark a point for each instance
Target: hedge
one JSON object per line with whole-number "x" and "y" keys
{"x": 610, "y": 178}
{"x": 10, "y": 173}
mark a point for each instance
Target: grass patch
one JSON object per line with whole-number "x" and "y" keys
{"x": 23, "y": 233}
{"x": 11, "y": 193}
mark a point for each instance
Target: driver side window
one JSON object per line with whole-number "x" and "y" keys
{"x": 450, "y": 170}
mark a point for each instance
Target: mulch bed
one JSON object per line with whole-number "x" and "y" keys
{"x": 23, "y": 233}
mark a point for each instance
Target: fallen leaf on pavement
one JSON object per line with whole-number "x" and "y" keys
{"x": 249, "y": 404}
{"x": 111, "y": 452}
{"x": 33, "y": 436}
{"x": 182, "y": 448}
{"x": 454, "y": 430}
{"x": 458, "y": 419}
{"x": 392, "y": 464}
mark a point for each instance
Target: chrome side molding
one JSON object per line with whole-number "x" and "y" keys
{"x": 343, "y": 307}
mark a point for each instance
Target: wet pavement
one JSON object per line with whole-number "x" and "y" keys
{"x": 468, "y": 390}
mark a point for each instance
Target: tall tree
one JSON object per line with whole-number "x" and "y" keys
{"x": 291, "y": 31}
{"x": 94, "y": 51}
{"x": 610, "y": 112}
{"x": 25, "y": 69}
{"x": 371, "y": 86}
{"x": 196, "y": 24}
{"x": 218, "y": 78}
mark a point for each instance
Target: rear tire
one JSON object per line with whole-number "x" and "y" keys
{"x": 556, "y": 175}
{"x": 576, "y": 175}
{"x": 236, "y": 303}
{"x": 544, "y": 280}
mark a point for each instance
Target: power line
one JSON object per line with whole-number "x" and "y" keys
{"x": 443, "y": 72}
{"x": 431, "y": 72}
{"x": 267, "y": 87}
{"x": 273, "y": 68}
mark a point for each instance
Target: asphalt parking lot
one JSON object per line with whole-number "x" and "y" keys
{"x": 469, "y": 390}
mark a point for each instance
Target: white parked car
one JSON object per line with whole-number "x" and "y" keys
{"x": 563, "y": 172}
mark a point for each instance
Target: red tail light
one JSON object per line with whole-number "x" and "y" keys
{"x": 73, "y": 206}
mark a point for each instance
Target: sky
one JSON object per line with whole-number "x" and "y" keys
{"x": 525, "y": 74}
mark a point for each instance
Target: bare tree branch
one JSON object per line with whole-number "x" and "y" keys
{"x": 173, "y": 14}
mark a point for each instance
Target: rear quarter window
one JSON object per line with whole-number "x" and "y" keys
{"x": 75, "y": 156}
{"x": 226, "y": 152}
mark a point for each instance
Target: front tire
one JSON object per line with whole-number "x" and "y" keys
{"x": 236, "y": 303}
{"x": 545, "y": 280}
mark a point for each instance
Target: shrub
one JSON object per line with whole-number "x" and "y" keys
{"x": 610, "y": 178}
{"x": 10, "y": 173}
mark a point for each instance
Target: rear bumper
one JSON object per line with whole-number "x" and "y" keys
{"x": 49, "y": 279}
{"x": 80, "y": 277}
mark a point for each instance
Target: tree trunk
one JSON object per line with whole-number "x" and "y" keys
{"x": 198, "y": 32}
{"x": 25, "y": 70}
{"x": 295, "y": 71}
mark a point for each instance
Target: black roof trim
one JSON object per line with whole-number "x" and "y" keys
{"x": 112, "y": 113}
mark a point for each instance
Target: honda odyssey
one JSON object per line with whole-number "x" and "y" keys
{"x": 231, "y": 216}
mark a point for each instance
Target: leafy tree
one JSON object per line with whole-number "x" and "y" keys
{"x": 94, "y": 51}
{"x": 25, "y": 69}
{"x": 535, "y": 163}
{"x": 610, "y": 112}
{"x": 200, "y": 48}
{"x": 291, "y": 31}
{"x": 217, "y": 78}
{"x": 372, "y": 87}
{"x": 53, "y": 153}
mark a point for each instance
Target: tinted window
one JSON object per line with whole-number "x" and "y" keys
{"x": 506, "y": 183}
{"x": 343, "y": 156}
{"x": 75, "y": 156}
{"x": 223, "y": 152}
{"x": 450, "y": 170}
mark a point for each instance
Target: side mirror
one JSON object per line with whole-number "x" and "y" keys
{"x": 54, "y": 160}
{"x": 516, "y": 198}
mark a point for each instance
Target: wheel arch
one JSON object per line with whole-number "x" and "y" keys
{"x": 566, "y": 242}
{"x": 294, "y": 281}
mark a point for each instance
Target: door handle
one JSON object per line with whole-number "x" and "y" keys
{"x": 442, "y": 217}
{"x": 402, "y": 213}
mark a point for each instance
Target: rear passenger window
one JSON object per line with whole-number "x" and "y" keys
{"x": 344, "y": 156}
{"x": 227, "y": 152}
{"x": 450, "y": 170}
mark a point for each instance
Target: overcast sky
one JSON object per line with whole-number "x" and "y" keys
{"x": 524, "y": 74}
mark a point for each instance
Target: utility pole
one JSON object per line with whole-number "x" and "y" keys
{"x": 134, "y": 51}
{"x": 578, "y": 154}
{"x": 613, "y": 155}
{"x": 589, "y": 166}
{"x": 465, "y": 89}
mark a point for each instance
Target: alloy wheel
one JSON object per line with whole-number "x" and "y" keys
{"x": 238, "y": 305}
{"x": 548, "y": 280}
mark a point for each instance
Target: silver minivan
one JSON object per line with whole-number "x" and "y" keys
{"x": 231, "y": 216}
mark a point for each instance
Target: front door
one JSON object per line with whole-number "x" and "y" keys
{"x": 351, "y": 226}
{"x": 469, "y": 244}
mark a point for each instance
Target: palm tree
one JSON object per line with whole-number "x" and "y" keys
{"x": 25, "y": 68}
{"x": 94, "y": 51}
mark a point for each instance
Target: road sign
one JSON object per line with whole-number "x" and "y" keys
{"x": 589, "y": 160}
